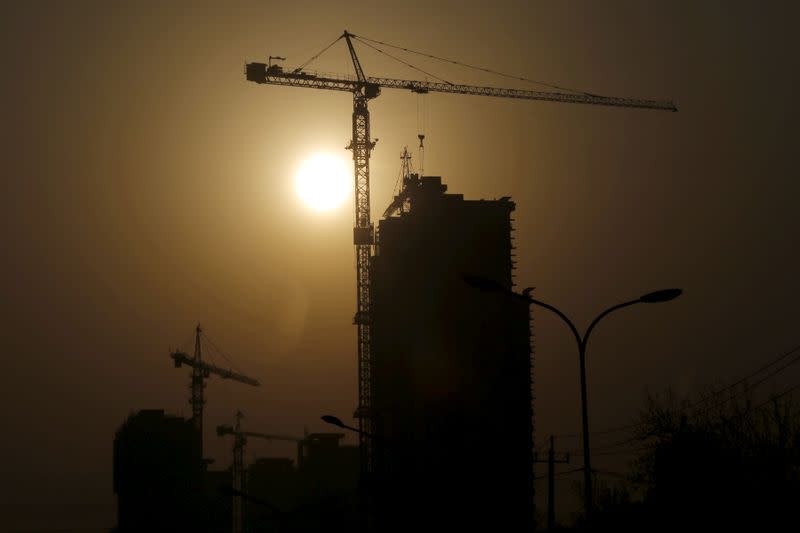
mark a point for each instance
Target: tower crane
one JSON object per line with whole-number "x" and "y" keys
{"x": 365, "y": 88}
{"x": 200, "y": 371}
{"x": 239, "y": 441}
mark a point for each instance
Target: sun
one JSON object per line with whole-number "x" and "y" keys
{"x": 323, "y": 181}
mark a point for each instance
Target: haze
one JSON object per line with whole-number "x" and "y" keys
{"x": 148, "y": 187}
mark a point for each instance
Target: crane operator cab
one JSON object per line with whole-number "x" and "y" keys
{"x": 372, "y": 90}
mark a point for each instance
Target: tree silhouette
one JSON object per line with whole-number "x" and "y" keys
{"x": 720, "y": 461}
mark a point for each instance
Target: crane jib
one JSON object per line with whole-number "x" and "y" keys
{"x": 181, "y": 358}
{"x": 275, "y": 75}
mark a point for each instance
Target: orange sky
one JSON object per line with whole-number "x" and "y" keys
{"x": 147, "y": 186}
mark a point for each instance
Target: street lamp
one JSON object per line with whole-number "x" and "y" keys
{"x": 336, "y": 421}
{"x": 664, "y": 295}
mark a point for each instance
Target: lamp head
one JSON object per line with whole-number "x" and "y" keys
{"x": 664, "y": 295}
{"x": 330, "y": 419}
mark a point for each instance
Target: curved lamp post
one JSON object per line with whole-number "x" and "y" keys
{"x": 649, "y": 298}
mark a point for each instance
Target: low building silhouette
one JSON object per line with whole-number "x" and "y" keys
{"x": 317, "y": 493}
{"x": 162, "y": 483}
{"x": 158, "y": 473}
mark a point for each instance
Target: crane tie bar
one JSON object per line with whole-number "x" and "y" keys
{"x": 482, "y": 69}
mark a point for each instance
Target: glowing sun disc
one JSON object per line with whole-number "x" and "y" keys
{"x": 323, "y": 181}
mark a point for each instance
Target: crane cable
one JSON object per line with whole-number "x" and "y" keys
{"x": 220, "y": 352}
{"x": 298, "y": 69}
{"x": 482, "y": 69}
{"x": 364, "y": 42}
{"x": 422, "y": 123}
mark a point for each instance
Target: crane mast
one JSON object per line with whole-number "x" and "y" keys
{"x": 365, "y": 88}
{"x": 362, "y": 145}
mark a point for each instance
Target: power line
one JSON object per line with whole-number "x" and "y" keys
{"x": 747, "y": 413}
{"x": 750, "y": 387}
{"x": 645, "y": 448}
{"x": 712, "y": 395}
{"x": 630, "y": 451}
{"x": 612, "y": 474}
{"x": 773, "y": 398}
{"x": 576, "y": 470}
{"x": 559, "y": 474}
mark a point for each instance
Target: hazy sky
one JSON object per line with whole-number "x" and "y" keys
{"x": 148, "y": 186}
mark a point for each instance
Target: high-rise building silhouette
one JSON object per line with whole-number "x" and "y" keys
{"x": 452, "y": 366}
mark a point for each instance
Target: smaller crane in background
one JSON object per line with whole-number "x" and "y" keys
{"x": 239, "y": 442}
{"x": 200, "y": 371}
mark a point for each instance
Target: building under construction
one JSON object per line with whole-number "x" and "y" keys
{"x": 452, "y": 398}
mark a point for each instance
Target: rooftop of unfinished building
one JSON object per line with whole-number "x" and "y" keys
{"x": 417, "y": 188}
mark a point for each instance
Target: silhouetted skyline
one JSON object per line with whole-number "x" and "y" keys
{"x": 148, "y": 187}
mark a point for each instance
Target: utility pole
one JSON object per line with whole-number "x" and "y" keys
{"x": 239, "y": 442}
{"x": 551, "y": 481}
